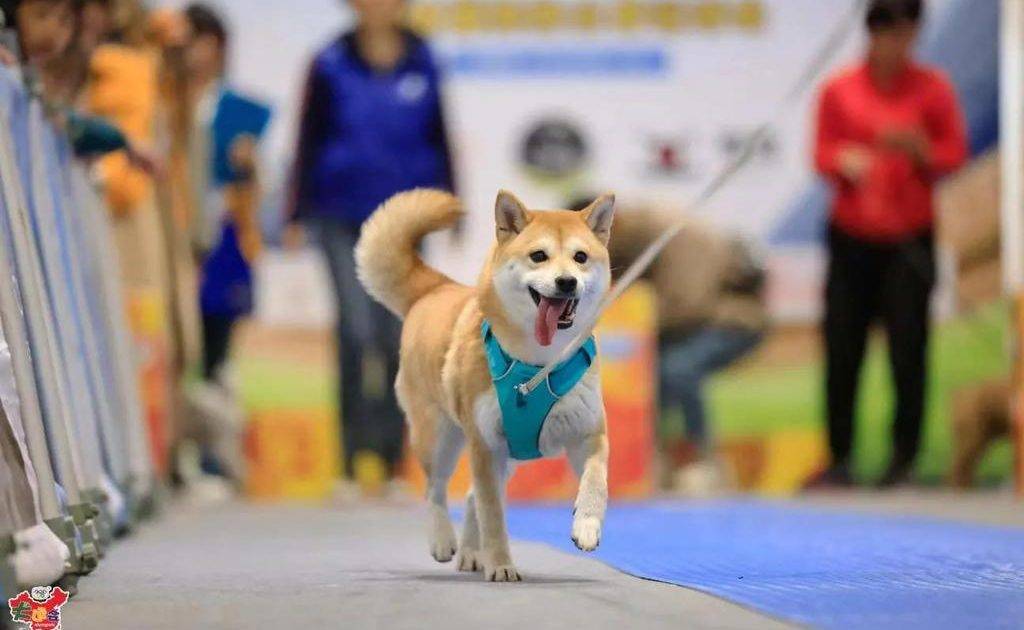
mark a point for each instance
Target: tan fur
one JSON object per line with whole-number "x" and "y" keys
{"x": 444, "y": 379}
{"x": 981, "y": 415}
{"x": 388, "y": 265}
{"x": 690, "y": 275}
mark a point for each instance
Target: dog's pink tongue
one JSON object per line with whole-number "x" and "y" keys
{"x": 548, "y": 312}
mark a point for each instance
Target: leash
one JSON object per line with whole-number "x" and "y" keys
{"x": 823, "y": 56}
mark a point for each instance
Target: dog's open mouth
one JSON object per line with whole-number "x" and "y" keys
{"x": 553, "y": 313}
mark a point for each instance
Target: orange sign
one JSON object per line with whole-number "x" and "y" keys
{"x": 292, "y": 454}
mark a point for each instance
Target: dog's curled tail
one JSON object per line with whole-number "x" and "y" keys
{"x": 386, "y": 256}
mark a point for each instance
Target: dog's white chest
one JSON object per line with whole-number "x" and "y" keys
{"x": 572, "y": 418}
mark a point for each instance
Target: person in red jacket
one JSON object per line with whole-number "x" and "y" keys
{"x": 888, "y": 128}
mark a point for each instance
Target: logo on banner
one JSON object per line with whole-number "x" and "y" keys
{"x": 668, "y": 156}
{"x": 733, "y": 141}
{"x": 38, "y": 609}
{"x": 554, "y": 148}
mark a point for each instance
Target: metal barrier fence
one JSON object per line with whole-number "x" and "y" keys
{"x": 75, "y": 467}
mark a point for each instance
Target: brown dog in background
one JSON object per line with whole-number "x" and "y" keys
{"x": 981, "y": 414}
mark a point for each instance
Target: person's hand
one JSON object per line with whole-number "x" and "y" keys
{"x": 243, "y": 155}
{"x": 145, "y": 160}
{"x": 855, "y": 162}
{"x": 168, "y": 28}
{"x": 8, "y": 58}
{"x": 251, "y": 244}
{"x": 910, "y": 140}
{"x": 294, "y": 236}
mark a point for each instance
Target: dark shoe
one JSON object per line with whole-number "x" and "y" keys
{"x": 898, "y": 474}
{"x": 832, "y": 478}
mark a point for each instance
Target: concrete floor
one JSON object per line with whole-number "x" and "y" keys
{"x": 263, "y": 568}
{"x": 1000, "y": 507}
{"x": 268, "y": 567}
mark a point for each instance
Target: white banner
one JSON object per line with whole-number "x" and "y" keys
{"x": 550, "y": 98}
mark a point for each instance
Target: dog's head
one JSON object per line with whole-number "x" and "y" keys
{"x": 550, "y": 267}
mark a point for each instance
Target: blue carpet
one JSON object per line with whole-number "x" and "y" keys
{"x": 824, "y": 569}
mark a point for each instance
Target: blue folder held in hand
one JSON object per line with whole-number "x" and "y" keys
{"x": 226, "y": 288}
{"x": 237, "y": 115}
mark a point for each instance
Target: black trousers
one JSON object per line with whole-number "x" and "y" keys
{"x": 868, "y": 282}
{"x": 217, "y": 331}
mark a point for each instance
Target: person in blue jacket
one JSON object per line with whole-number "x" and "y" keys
{"x": 226, "y": 225}
{"x": 226, "y": 237}
{"x": 372, "y": 126}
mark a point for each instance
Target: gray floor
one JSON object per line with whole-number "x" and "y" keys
{"x": 254, "y": 567}
{"x": 1000, "y": 507}
{"x": 269, "y": 567}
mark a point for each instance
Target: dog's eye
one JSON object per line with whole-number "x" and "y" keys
{"x": 538, "y": 256}
{"x": 580, "y": 257}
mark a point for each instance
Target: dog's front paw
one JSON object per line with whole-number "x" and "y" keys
{"x": 469, "y": 560}
{"x": 586, "y": 532}
{"x": 501, "y": 573}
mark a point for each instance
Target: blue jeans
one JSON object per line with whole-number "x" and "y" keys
{"x": 686, "y": 362}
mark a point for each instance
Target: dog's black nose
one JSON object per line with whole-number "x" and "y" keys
{"x": 566, "y": 284}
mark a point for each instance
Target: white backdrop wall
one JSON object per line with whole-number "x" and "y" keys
{"x": 657, "y": 108}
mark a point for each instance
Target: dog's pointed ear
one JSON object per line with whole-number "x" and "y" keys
{"x": 599, "y": 215}
{"x": 510, "y": 216}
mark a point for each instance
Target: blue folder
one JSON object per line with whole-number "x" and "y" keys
{"x": 237, "y": 115}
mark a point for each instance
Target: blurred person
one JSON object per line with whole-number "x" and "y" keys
{"x": 38, "y": 37}
{"x": 887, "y": 130}
{"x": 711, "y": 310}
{"x": 372, "y": 126}
{"x": 64, "y": 75}
{"x": 123, "y": 87}
{"x": 43, "y": 29}
{"x": 177, "y": 190}
{"x": 62, "y": 79}
{"x": 228, "y": 218}
{"x": 47, "y": 36}
{"x": 55, "y": 72}
{"x": 228, "y": 214}
{"x": 95, "y": 23}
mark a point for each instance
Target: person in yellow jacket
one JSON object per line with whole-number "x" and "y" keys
{"x": 124, "y": 86}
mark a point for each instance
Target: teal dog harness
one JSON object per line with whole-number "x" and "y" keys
{"x": 523, "y": 416}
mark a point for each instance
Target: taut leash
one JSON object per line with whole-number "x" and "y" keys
{"x": 824, "y": 55}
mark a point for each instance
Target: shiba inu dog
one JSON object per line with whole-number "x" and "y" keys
{"x": 464, "y": 349}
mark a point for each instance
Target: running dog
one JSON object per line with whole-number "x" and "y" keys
{"x": 465, "y": 349}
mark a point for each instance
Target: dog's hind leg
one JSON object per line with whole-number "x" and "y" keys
{"x": 469, "y": 547}
{"x": 447, "y": 448}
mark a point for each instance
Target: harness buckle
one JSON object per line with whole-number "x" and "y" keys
{"x": 521, "y": 393}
